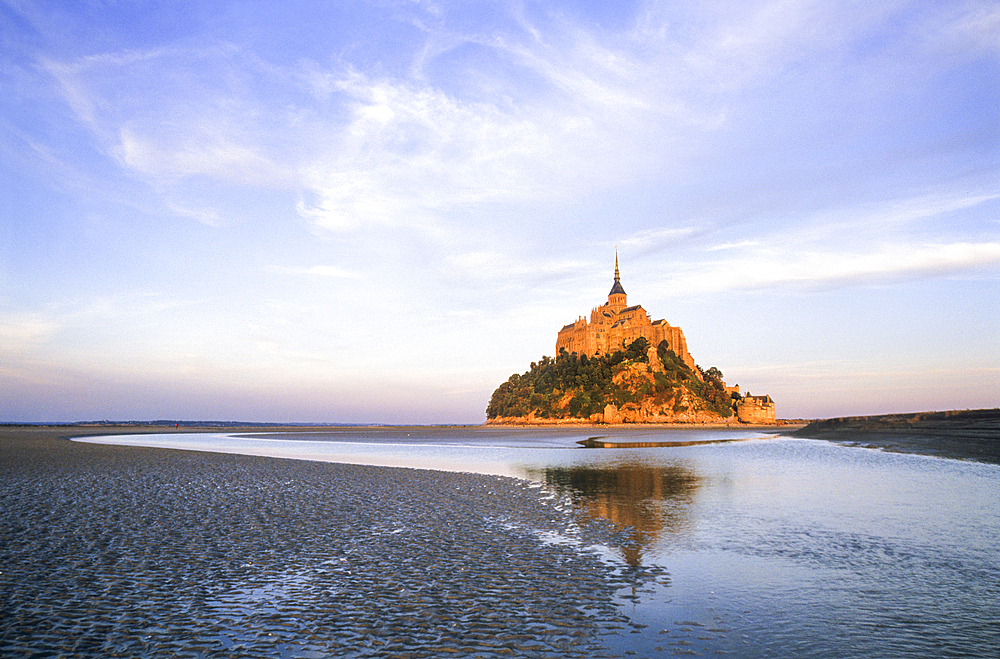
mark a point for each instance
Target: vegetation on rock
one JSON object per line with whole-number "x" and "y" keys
{"x": 575, "y": 386}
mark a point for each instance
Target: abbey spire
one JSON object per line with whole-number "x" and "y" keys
{"x": 617, "y": 299}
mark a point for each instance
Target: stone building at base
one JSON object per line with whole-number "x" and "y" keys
{"x": 755, "y": 409}
{"x": 616, "y": 324}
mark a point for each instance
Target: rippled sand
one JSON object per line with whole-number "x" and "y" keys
{"x": 122, "y": 551}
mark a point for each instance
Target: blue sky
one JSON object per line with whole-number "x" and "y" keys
{"x": 378, "y": 211}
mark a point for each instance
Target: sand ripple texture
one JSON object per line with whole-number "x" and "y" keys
{"x": 116, "y": 551}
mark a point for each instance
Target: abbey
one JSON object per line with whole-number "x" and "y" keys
{"x": 603, "y": 373}
{"x": 616, "y": 324}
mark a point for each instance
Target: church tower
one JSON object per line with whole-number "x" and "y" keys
{"x": 617, "y": 299}
{"x": 615, "y": 325}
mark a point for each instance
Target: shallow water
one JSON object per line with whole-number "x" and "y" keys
{"x": 769, "y": 546}
{"x": 517, "y": 452}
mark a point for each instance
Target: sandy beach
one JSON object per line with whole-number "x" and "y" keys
{"x": 124, "y": 551}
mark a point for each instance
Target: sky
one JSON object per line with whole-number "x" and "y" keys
{"x": 377, "y": 211}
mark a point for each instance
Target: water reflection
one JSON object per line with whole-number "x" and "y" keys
{"x": 642, "y": 502}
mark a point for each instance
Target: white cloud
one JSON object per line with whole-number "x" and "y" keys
{"x": 733, "y": 245}
{"x": 770, "y": 268}
{"x": 398, "y": 148}
{"x": 743, "y": 45}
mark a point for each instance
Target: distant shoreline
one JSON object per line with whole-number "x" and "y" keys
{"x": 956, "y": 434}
{"x": 959, "y": 434}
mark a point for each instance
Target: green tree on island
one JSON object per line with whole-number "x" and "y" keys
{"x": 577, "y": 386}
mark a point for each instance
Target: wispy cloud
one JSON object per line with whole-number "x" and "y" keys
{"x": 21, "y": 332}
{"x": 315, "y": 271}
{"x": 403, "y": 147}
{"x": 201, "y": 150}
{"x": 203, "y": 215}
{"x": 372, "y": 149}
{"x": 820, "y": 270}
{"x": 653, "y": 240}
{"x": 170, "y": 113}
{"x": 733, "y": 245}
{"x": 901, "y": 212}
{"x": 410, "y": 150}
{"x": 971, "y": 28}
{"x": 509, "y": 270}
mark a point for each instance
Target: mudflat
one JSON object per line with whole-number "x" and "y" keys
{"x": 128, "y": 551}
{"x": 960, "y": 434}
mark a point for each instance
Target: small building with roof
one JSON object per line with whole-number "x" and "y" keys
{"x": 755, "y": 409}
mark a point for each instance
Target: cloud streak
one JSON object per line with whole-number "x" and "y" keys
{"x": 316, "y": 271}
{"x": 818, "y": 270}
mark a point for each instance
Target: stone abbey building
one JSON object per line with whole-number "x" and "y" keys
{"x": 616, "y": 324}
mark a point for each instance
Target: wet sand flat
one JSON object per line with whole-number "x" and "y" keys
{"x": 959, "y": 434}
{"x": 127, "y": 551}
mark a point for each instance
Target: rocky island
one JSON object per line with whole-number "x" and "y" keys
{"x": 619, "y": 366}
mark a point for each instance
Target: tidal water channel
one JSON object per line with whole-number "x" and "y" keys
{"x": 766, "y": 546}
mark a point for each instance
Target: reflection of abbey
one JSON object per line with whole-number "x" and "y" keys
{"x": 615, "y": 324}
